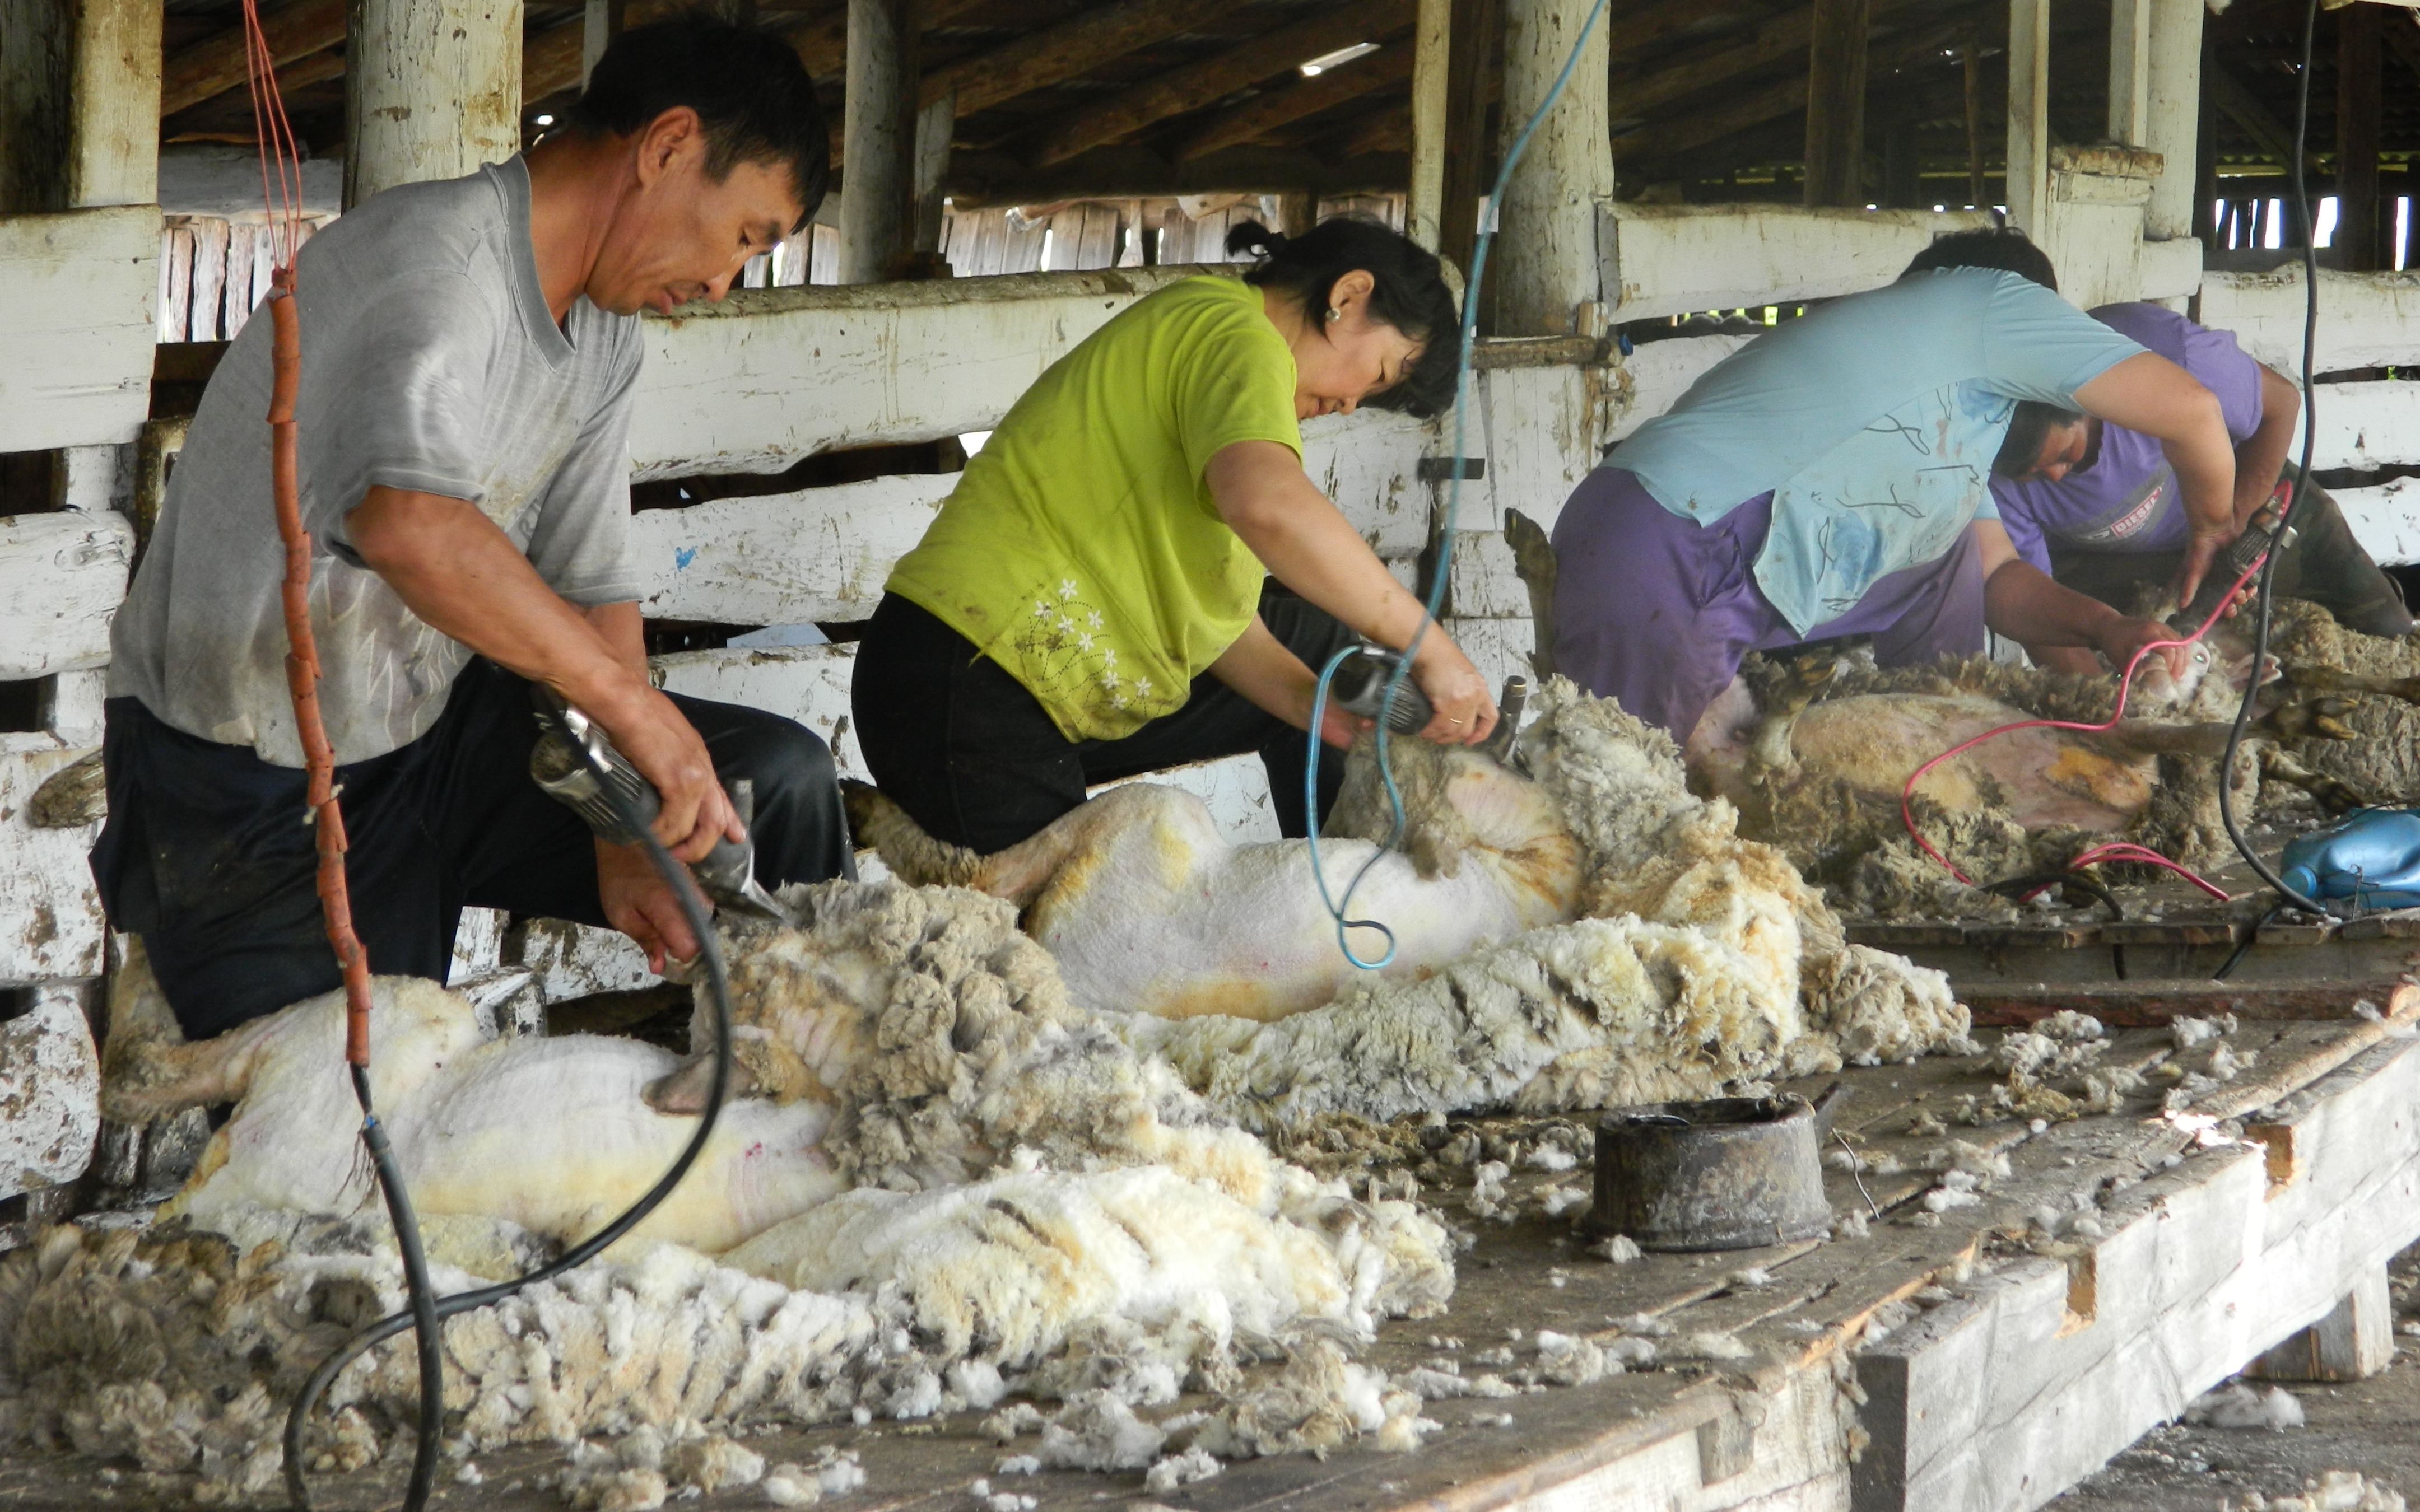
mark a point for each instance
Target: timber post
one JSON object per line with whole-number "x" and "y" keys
{"x": 1470, "y": 89}
{"x": 1432, "y": 53}
{"x": 878, "y": 145}
{"x": 1550, "y": 280}
{"x": 432, "y": 90}
{"x": 2163, "y": 78}
{"x": 1836, "y": 103}
{"x": 2360, "y": 38}
{"x": 936, "y": 124}
{"x": 600, "y": 22}
{"x": 2028, "y": 156}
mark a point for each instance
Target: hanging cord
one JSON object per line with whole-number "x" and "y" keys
{"x": 1469, "y": 341}
{"x": 2302, "y": 481}
{"x": 2265, "y": 570}
{"x": 693, "y": 908}
{"x": 281, "y": 189}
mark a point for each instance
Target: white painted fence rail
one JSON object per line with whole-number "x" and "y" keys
{"x": 774, "y": 375}
{"x": 1673, "y": 259}
{"x": 79, "y": 297}
{"x": 2372, "y": 425}
{"x": 62, "y": 576}
{"x": 2366, "y": 319}
{"x": 50, "y": 912}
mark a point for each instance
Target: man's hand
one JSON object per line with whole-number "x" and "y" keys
{"x": 2201, "y": 553}
{"x": 2121, "y": 639}
{"x": 638, "y": 905}
{"x": 668, "y": 751}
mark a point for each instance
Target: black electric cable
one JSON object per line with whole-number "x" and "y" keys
{"x": 418, "y": 1288}
{"x": 2244, "y": 947}
{"x": 427, "y": 1312}
{"x": 2294, "y": 167}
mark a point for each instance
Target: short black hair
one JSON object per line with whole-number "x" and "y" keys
{"x": 748, "y": 89}
{"x": 2003, "y": 247}
{"x": 1408, "y": 293}
{"x": 2027, "y": 429}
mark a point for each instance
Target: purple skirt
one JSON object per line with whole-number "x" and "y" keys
{"x": 1657, "y": 611}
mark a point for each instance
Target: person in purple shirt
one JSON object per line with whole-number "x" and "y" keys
{"x": 2114, "y": 522}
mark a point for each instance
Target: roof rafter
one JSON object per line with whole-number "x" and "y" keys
{"x": 1206, "y": 79}
{"x": 1258, "y": 117}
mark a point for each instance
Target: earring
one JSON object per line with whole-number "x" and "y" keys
{"x": 1335, "y": 314}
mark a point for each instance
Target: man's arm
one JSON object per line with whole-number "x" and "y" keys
{"x": 636, "y": 900}
{"x": 2022, "y": 602}
{"x": 2154, "y": 396}
{"x": 455, "y": 569}
{"x": 2262, "y": 454}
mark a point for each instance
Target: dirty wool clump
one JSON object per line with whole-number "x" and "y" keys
{"x": 1042, "y": 1211}
{"x": 1706, "y": 964}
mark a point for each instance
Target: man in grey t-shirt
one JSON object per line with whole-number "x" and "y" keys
{"x": 469, "y": 353}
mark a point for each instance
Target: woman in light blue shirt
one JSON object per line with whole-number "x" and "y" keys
{"x": 1833, "y": 479}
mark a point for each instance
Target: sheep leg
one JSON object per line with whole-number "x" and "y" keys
{"x": 2313, "y": 678}
{"x": 1017, "y": 873}
{"x": 2279, "y": 765}
{"x": 148, "y": 1069}
{"x": 1533, "y": 562}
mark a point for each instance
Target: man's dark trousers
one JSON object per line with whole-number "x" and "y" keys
{"x": 209, "y": 855}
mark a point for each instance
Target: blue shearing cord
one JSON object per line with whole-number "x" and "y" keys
{"x": 1335, "y": 906}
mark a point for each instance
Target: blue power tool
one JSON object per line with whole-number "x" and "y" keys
{"x": 2370, "y": 855}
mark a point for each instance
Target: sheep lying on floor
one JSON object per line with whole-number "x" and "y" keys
{"x": 1149, "y": 909}
{"x": 1816, "y": 759}
{"x": 1022, "y": 1182}
{"x": 1702, "y": 961}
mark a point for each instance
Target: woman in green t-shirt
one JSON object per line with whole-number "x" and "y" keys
{"x": 1093, "y": 600}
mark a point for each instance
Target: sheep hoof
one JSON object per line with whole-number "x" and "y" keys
{"x": 682, "y": 1091}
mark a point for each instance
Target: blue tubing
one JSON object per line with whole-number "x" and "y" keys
{"x": 1335, "y": 906}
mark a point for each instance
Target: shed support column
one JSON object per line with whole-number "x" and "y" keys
{"x": 1551, "y": 282}
{"x": 2354, "y": 1341}
{"x": 1836, "y": 103}
{"x": 2155, "y": 100}
{"x": 1477, "y": 27}
{"x": 2360, "y": 36}
{"x": 2028, "y": 188}
{"x": 1432, "y": 48}
{"x": 878, "y": 147}
{"x": 79, "y": 104}
{"x": 936, "y": 124}
{"x": 432, "y": 90}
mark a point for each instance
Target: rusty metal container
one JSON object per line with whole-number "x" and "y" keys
{"x": 1729, "y": 1173}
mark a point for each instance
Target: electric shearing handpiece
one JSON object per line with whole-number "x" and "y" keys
{"x": 2260, "y": 535}
{"x": 1360, "y": 686}
{"x": 727, "y": 874}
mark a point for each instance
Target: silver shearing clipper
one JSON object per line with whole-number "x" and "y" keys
{"x": 1360, "y": 687}
{"x": 727, "y": 874}
{"x": 2261, "y": 535}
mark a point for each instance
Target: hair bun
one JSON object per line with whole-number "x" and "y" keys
{"x": 1256, "y": 239}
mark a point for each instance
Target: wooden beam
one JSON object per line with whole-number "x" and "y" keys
{"x": 1835, "y": 103}
{"x": 2403, "y": 40}
{"x": 216, "y": 63}
{"x": 2360, "y": 36}
{"x": 981, "y": 179}
{"x": 2172, "y": 116}
{"x": 2028, "y": 124}
{"x": 1472, "y": 80}
{"x": 1639, "y": 92}
{"x": 1432, "y": 49}
{"x": 432, "y": 90}
{"x": 878, "y": 179}
{"x": 2242, "y": 106}
{"x": 1200, "y": 82}
{"x": 1057, "y": 54}
{"x": 1628, "y": 33}
{"x": 112, "y": 104}
{"x": 1388, "y": 129}
{"x": 1258, "y": 117}
{"x": 1549, "y": 275}
{"x": 1665, "y": 139}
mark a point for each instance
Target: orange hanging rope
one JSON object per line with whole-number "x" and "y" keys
{"x": 281, "y": 186}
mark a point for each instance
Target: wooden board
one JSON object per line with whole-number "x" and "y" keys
{"x": 51, "y": 925}
{"x": 50, "y": 1091}
{"x": 2386, "y": 518}
{"x": 2136, "y": 1003}
{"x": 2366, "y": 425}
{"x": 78, "y": 319}
{"x": 782, "y": 559}
{"x": 2366, "y": 319}
{"x": 771, "y": 375}
{"x": 809, "y": 684}
{"x": 62, "y": 576}
{"x": 1673, "y": 259}
{"x": 1655, "y": 374}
